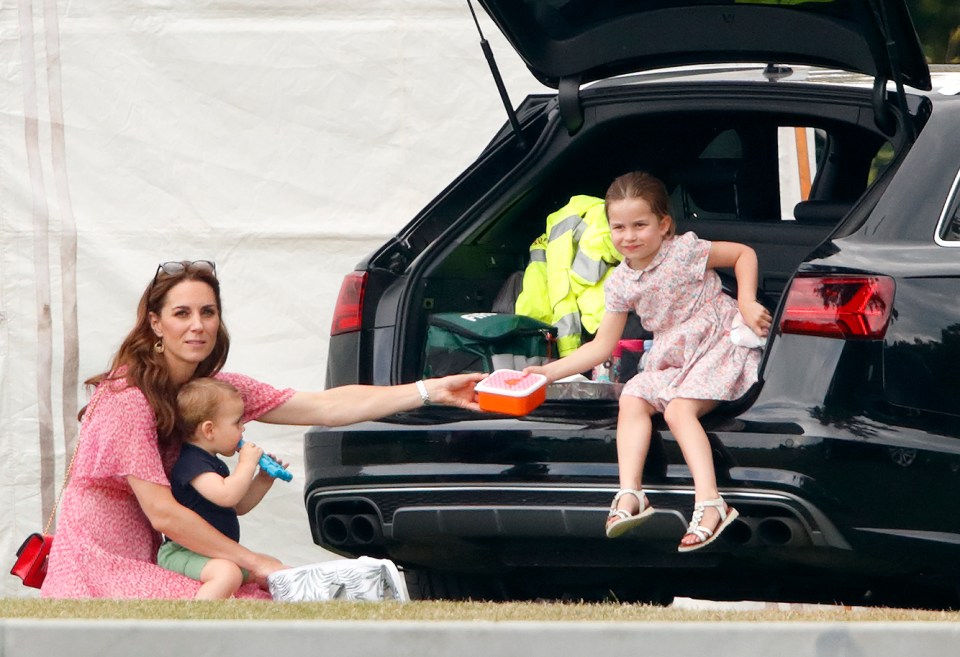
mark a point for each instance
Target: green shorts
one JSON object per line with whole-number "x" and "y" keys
{"x": 179, "y": 559}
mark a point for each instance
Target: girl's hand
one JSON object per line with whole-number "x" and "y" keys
{"x": 538, "y": 369}
{"x": 756, "y": 317}
{"x": 455, "y": 390}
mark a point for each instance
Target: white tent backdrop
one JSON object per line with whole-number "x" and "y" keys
{"x": 284, "y": 139}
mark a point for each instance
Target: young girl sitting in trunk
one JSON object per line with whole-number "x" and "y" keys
{"x": 670, "y": 282}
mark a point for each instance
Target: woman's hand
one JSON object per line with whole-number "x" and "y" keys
{"x": 455, "y": 390}
{"x": 261, "y": 566}
{"x": 756, "y": 317}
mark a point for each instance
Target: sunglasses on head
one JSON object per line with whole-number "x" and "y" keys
{"x": 175, "y": 267}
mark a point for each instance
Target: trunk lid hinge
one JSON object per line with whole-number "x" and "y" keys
{"x": 498, "y": 79}
{"x": 570, "y": 108}
{"x": 880, "y": 101}
{"x": 882, "y": 115}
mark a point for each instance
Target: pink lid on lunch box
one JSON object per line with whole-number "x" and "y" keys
{"x": 511, "y": 391}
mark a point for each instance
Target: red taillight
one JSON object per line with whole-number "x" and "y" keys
{"x": 839, "y": 306}
{"x": 349, "y": 309}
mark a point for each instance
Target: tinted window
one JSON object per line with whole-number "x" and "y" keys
{"x": 710, "y": 186}
{"x": 759, "y": 172}
{"x": 950, "y": 222}
{"x": 938, "y": 26}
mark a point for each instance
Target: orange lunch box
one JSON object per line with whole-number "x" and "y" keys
{"x": 511, "y": 392}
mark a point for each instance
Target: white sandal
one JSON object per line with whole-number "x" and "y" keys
{"x": 625, "y": 521}
{"x": 707, "y": 536}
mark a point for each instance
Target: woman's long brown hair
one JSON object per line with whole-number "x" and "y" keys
{"x": 141, "y": 366}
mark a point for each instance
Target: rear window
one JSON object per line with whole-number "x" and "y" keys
{"x": 763, "y": 171}
{"x": 948, "y": 231}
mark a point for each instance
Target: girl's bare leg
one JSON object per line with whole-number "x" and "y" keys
{"x": 683, "y": 418}
{"x": 634, "y": 428}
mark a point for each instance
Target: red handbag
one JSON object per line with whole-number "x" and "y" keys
{"x": 31, "y": 563}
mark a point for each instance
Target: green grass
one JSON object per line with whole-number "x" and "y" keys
{"x": 436, "y": 611}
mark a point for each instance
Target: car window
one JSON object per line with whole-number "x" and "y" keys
{"x": 949, "y": 228}
{"x": 880, "y": 162}
{"x": 760, "y": 172}
{"x": 708, "y": 188}
{"x": 800, "y": 149}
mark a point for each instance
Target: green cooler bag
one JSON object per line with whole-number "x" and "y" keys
{"x": 484, "y": 342}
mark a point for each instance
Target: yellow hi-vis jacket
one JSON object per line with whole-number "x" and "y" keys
{"x": 563, "y": 284}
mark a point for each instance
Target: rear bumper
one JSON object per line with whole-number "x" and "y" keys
{"x": 391, "y": 519}
{"x": 816, "y": 501}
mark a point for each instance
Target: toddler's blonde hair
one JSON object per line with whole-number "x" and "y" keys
{"x": 198, "y": 401}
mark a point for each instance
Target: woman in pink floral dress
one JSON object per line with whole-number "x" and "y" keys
{"x": 669, "y": 282}
{"x": 118, "y": 501}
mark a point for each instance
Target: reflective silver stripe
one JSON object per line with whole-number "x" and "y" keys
{"x": 589, "y": 269}
{"x": 559, "y": 228}
{"x": 579, "y": 231}
{"x": 568, "y": 325}
{"x": 538, "y": 255}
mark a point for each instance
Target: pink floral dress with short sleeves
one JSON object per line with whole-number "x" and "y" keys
{"x": 104, "y": 545}
{"x": 682, "y": 303}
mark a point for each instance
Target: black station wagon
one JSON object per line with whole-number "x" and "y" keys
{"x": 812, "y": 130}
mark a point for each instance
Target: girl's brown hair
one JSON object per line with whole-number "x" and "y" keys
{"x": 640, "y": 184}
{"x": 141, "y": 366}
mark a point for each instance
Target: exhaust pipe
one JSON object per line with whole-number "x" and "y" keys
{"x": 336, "y": 529}
{"x": 365, "y": 529}
{"x": 349, "y": 522}
{"x": 740, "y": 532}
{"x": 782, "y": 532}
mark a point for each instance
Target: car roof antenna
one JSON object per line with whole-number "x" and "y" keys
{"x": 488, "y": 54}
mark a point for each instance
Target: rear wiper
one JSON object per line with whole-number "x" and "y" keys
{"x": 488, "y": 54}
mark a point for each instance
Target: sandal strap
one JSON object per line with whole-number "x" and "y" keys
{"x": 639, "y": 494}
{"x": 717, "y": 504}
{"x": 700, "y": 532}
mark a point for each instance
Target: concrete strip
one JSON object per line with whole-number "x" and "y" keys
{"x": 113, "y": 638}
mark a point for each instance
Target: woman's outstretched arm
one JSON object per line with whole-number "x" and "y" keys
{"x": 358, "y": 403}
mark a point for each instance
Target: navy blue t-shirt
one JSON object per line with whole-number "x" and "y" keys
{"x": 192, "y": 463}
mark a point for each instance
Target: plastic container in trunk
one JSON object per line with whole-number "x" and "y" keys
{"x": 511, "y": 392}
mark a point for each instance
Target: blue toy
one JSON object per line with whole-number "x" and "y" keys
{"x": 271, "y": 467}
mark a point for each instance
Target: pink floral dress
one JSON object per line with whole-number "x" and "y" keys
{"x": 104, "y": 546}
{"x": 681, "y": 302}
